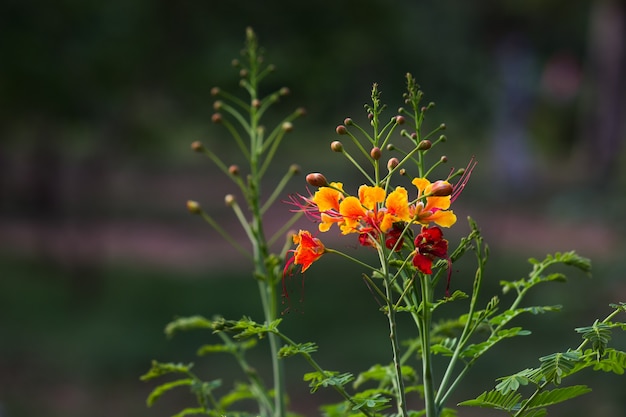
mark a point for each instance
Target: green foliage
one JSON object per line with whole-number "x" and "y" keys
{"x": 403, "y": 281}
{"x": 300, "y": 348}
{"x": 158, "y": 369}
{"x": 187, "y": 323}
{"x": 512, "y": 401}
{"x": 319, "y": 379}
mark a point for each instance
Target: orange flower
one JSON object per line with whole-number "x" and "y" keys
{"x": 309, "y": 249}
{"x": 327, "y": 201}
{"x": 431, "y": 208}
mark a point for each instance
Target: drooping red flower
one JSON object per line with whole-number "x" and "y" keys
{"x": 429, "y": 245}
{"x": 309, "y": 249}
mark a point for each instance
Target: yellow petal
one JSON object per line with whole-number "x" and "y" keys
{"x": 327, "y": 198}
{"x": 369, "y": 196}
{"x": 397, "y": 203}
{"x": 420, "y": 184}
{"x": 444, "y": 218}
{"x": 442, "y": 203}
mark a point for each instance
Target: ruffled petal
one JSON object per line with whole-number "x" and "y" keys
{"x": 370, "y": 196}
{"x": 327, "y": 198}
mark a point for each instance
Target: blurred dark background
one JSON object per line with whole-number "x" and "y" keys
{"x": 99, "y": 102}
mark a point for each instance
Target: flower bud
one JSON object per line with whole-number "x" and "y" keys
{"x": 197, "y": 146}
{"x": 336, "y": 146}
{"x": 392, "y": 163}
{"x": 402, "y": 171}
{"x": 229, "y": 199}
{"x": 216, "y": 118}
{"x": 442, "y": 138}
{"x": 301, "y": 111}
{"x": 193, "y": 207}
{"x": 235, "y": 63}
{"x": 424, "y": 145}
{"x": 243, "y": 73}
{"x": 414, "y": 136}
{"x": 348, "y": 121}
{"x": 370, "y": 116}
{"x": 294, "y": 169}
{"x": 376, "y": 153}
{"x": 390, "y": 147}
{"x": 215, "y": 91}
{"x": 400, "y": 120}
{"x": 341, "y": 130}
{"x": 287, "y": 126}
{"x": 316, "y": 179}
{"x": 270, "y": 67}
{"x": 442, "y": 126}
{"x": 217, "y": 105}
{"x": 441, "y": 189}
{"x": 444, "y": 159}
{"x": 233, "y": 170}
{"x": 256, "y": 103}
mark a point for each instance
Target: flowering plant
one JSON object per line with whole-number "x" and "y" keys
{"x": 399, "y": 214}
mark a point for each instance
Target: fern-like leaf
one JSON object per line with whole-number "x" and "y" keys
{"x": 555, "y": 396}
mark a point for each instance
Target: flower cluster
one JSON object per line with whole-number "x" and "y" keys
{"x": 380, "y": 218}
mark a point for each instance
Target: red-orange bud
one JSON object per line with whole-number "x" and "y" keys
{"x": 316, "y": 179}
{"x": 233, "y": 170}
{"x": 216, "y": 118}
{"x": 424, "y": 145}
{"x": 441, "y": 189}
{"x": 341, "y": 130}
{"x": 197, "y": 146}
{"x": 392, "y": 163}
{"x": 376, "y": 153}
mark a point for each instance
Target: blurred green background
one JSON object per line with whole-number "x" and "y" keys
{"x": 99, "y": 102}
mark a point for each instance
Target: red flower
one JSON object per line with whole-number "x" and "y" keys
{"x": 429, "y": 245}
{"x": 309, "y": 250}
{"x": 394, "y": 238}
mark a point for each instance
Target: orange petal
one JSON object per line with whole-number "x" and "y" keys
{"x": 327, "y": 198}
{"x": 444, "y": 218}
{"x": 369, "y": 196}
{"x": 397, "y": 203}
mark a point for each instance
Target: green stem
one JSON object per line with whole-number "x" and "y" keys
{"x": 393, "y": 336}
{"x": 427, "y": 367}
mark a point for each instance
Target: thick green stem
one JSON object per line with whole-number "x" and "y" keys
{"x": 427, "y": 367}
